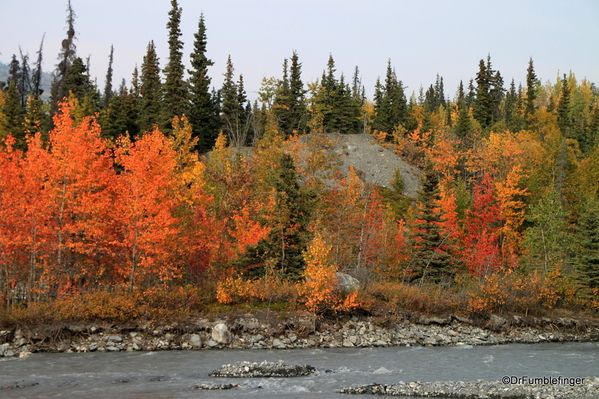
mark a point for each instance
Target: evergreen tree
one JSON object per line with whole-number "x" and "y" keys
{"x": 489, "y": 94}
{"x": 108, "y": 86}
{"x": 37, "y": 119}
{"x": 79, "y": 84}
{"x": 336, "y": 106}
{"x": 587, "y": 237}
{"x": 471, "y": 96}
{"x": 430, "y": 258}
{"x": 483, "y": 104}
{"x": 24, "y": 84}
{"x": 512, "y": 117}
{"x": 357, "y": 89}
{"x": 175, "y": 91}
{"x": 150, "y": 91}
{"x": 282, "y": 102}
{"x": 12, "y": 120}
{"x": 289, "y": 235}
{"x": 390, "y": 105}
{"x": 36, "y": 75}
{"x": 298, "y": 111}
{"x": 496, "y": 94}
{"x": 563, "y": 107}
{"x": 233, "y": 111}
{"x": 202, "y": 113}
{"x": 122, "y": 115}
{"x": 463, "y": 126}
{"x": 67, "y": 55}
{"x": 531, "y": 90}
{"x": 289, "y": 102}
{"x": 15, "y": 78}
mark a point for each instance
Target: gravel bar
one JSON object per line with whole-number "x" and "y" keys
{"x": 587, "y": 389}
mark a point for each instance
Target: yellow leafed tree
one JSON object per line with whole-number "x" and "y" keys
{"x": 321, "y": 281}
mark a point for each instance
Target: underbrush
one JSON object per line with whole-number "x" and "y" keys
{"x": 114, "y": 305}
{"x": 507, "y": 292}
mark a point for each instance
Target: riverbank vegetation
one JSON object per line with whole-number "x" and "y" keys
{"x": 163, "y": 198}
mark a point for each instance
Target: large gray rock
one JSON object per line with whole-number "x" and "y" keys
{"x": 346, "y": 282}
{"x": 195, "y": 340}
{"x": 221, "y": 334}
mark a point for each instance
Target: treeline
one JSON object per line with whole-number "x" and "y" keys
{"x": 107, "y": 189}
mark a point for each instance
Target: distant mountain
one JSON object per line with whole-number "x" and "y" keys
{"x": 46, "y": 80}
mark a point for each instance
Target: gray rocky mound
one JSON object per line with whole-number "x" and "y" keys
{"x": 264, "y": 369}
{"x": 373, "y": 163}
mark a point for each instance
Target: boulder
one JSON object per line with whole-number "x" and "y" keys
{"x": 346, "y": 282}
{"x": 195, "y": 341}
{"x": 221, "y": 334}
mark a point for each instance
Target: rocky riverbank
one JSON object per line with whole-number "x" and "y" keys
{"x": 268, "y": 330}
{"x": 580, "y": 388}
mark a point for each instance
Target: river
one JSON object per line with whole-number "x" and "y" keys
{"x": 171, "y": 374}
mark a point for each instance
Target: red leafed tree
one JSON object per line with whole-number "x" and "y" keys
{"x": 145, "y": 219}
{"x": 482, "y": 253}
{"x": 374, "y": 240}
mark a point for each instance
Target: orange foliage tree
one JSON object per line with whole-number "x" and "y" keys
{"x": 79, "y": 181}
{"x": 145, "y": 219}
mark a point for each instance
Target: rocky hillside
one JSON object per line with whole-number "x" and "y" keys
{"x": 373, "y": 163}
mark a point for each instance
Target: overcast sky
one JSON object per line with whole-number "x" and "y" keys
{"x": 420, "y": 37}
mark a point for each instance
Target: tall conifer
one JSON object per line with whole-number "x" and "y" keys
{"x": 202, "y": 112}
{"x": 531, "y": 89}
{"x": 66, "y": 57}
{"x": 150, "y": 91}
{"x": 108, "y": 85}
{"x": 176, "y": 94}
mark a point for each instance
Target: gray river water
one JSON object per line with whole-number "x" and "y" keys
{"x": 171, "y": 374}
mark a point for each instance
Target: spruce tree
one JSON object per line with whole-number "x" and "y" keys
{"x": 36, "y": 75}
{"x": 289, "y": 236}
{"x": 512, "y": 117}
{"x": 298, "y": 112}
{"x": 108, "y": 85}
{"x": 587, "y": 237}
{"x": 282, "y": 102}
{"x": 390, "y": 105}
{"x": 12, "y": 122}
{"x": 463, "y": 126}
{"x": 531, "y": 89}
{"x": 122, "y": 114}
{"x": 150, "y": 91}
{"x": 24, "y": 84}
{"x": 202, "y": 113}
{"x": 483, "y": 103}
{"x": 233, "y": 107}
{"x": 67, "y": 55}
{"x": 175, "y": 91}
{"x": 79, "y": 84}
{"x": 14, "y": 75}
{"x": 340, "y": 112}
{"x": 563, "y": 107}
{"x": 430, "y": 258}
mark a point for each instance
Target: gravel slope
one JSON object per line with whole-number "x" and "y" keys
{"x": 373, "y": 163}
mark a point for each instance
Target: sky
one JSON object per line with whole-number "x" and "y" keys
{"x": 421, "y": 38}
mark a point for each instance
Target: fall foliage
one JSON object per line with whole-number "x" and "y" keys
{"x": 96, "y": 197}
